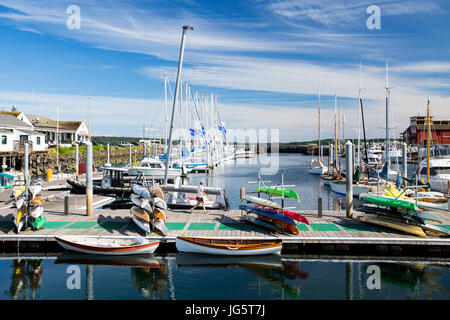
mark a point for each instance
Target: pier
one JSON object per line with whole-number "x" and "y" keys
{"x": 333, "y": 233}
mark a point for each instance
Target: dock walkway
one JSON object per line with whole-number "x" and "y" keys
{"x": 331, "y": 234}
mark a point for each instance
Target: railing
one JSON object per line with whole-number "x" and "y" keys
{"x": 19, "y": 146}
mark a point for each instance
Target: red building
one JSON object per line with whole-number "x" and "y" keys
{"x": 417, "y": 134}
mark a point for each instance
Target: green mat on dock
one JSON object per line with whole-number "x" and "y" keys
{"x": 324, "y": 227}
{"x": 230, "y": 226}
{"x": 302, "y": 227}
{"x": 81, "y": 225}
{"x": 112, "y": 225}
{"x": 201, "y": 226}
{"x": 175, "y": 225}
{"x": 56, "y": 224}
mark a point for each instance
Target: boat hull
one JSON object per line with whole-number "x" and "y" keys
{"x": 340, "y": 189}
{"x": 185, "y": 244}
{"x": 415, "y": 230}
{"x": 91, "y": 248}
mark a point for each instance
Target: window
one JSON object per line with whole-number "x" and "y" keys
{"x": 38, "y": 140}
{"x": 23, "y": 138}
{"x": 4, "y": 139}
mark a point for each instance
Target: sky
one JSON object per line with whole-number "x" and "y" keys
{"x": 265, "y": 60}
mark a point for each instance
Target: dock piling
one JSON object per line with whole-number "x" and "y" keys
{"x": 66, "y": 203}
{"x": 89, "y": 179}
{"x": 349, "y": 179}
{"x": 77, "y": 160}
{"x": 405, "y": 160}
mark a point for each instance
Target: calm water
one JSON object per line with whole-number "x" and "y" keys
{"x": 186, "y": 276}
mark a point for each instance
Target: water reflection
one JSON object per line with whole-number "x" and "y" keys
{"x": 195, "y": 276}
{"x": 26, "y": 277}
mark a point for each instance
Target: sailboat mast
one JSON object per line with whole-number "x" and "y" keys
{"x": 165, "y": 108}
{"x": 359, "y": 117}
{"x": 388, "y": 159}
{"x": 335, "y": 132}
{"x": 320, "y": 160}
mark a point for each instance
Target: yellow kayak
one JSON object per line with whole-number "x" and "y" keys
{"x": 417, "y": 231}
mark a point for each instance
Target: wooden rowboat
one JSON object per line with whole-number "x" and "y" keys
{"x": 231, "y": 247}
{"x": 105, "y": 246}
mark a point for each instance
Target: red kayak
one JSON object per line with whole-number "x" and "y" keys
{"x": 293, "y": 215}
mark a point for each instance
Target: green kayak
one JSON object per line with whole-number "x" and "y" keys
{"x": 392, "y": 203}
{"x": 276, "y": 191}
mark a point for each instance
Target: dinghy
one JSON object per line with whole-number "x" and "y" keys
{"x": 106, "y": 246}
{"x": 231, "y": 247}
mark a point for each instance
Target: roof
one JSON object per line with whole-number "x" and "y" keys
{"x": 10, "y": 120}
{"x": 41, "y": 122}
{"x": 71, "y": 125}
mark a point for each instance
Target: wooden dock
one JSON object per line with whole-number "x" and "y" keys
{"x": 331, "y": 234}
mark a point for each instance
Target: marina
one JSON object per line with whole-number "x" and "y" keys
{"x": 197, "y": 150}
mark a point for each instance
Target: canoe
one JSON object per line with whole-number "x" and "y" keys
{"x": 293, "y": 215}
{"x": 160, "y": 203}
{"x": 385, "y": 222}
{"x": 141, "y": 191}
{"x": 142, "y": 224}
{"x": 158, "y": 213}
{"x": 140, "y": 213}
{"x": 20, "y": 217}
{"x": 419, "y": 216}
{"x": 106, "y": 246}
{"x": 161, "y": 226}
{"x": 391, "y": 203}
{"x": 156, "y": 191}
{"x": 281, "y": 220}
{"x": 420, "y": 204}
{"x": 37, "y": 201}
{"x": 276, "y": 191}
{"x": 231, "y": 247}
{"x": 36, "y": 212}
{"x": 143, "y": 203}
{"x": 262, "y": 202}
{"x": 262, "y": 224}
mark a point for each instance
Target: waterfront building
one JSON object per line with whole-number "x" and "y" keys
{"x": 416, "y": 133}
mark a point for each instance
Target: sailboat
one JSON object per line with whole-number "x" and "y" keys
{"x": 435, "y": 170}
{"x": 317, "y": 167}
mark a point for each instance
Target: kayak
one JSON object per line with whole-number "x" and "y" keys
{"x": 143, "y": 203}
{"x": 293, "y": 215}
{"x": 38, "y": 223}
{"x": 161, "y": 226}
{"x": 285, "y": 222}
{"x": 263, "y": 224}
{"x": 415, "y": 230}
{"x": 141, "y": 223}
{"x": 392, "y": 203}
{"x": 262, "y": 202}
{"x": 276, "y": 191}
{"x": 419, "y": 216}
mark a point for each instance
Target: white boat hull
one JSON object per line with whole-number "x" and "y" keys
{"x": 94, "y": 248}
{"x": 341, "y": 189}
{"x": 185, "y": 246}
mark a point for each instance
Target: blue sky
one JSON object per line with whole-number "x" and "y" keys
{"x": 264, "y": 59}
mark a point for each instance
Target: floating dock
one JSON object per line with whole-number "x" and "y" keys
{"x": 332, "y": 234}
